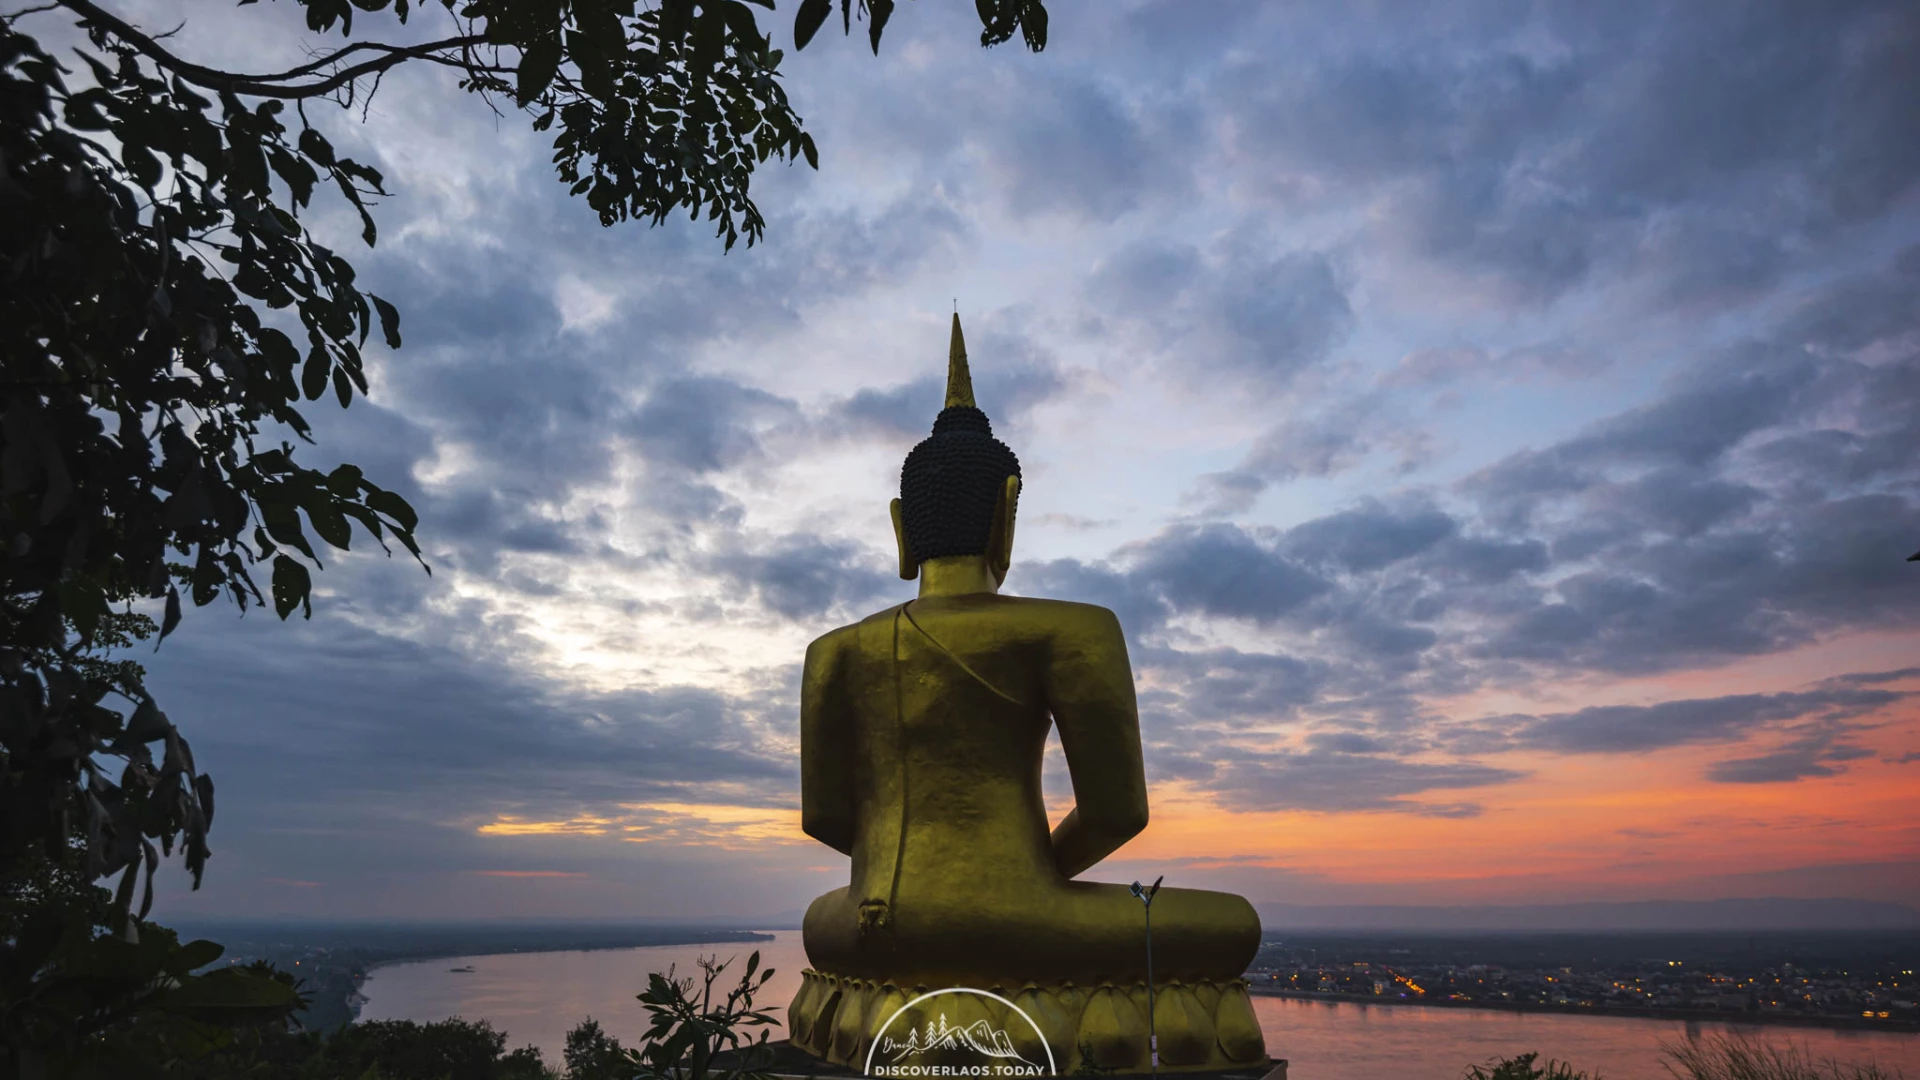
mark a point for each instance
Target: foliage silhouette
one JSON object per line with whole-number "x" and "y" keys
{"x": 165, "y": 313}
{"x": 1525, "y": 1067}
{"x": 1723, "y": 1056}
{"x": 453, "y": 1049}
{"x": 698, "y": 1036}
{"x": 447, "y": 1050}
{"x": 1730, "y": 1056}
{"x": 692, "y": 1034}
{"x": 592, "y": 1054}
{"x": 69, "y": 991}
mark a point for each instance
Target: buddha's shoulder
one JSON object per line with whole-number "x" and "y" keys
{"x": 839, "y": 637}
{"x": 1034, "y": 614}
{"x": 1060, "y": 615}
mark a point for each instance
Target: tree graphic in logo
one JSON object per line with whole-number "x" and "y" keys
{"x": 990, "y": 1049}
{"x": 981, "y": 1038}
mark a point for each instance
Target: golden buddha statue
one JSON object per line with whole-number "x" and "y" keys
{"x": 922, "y": 730}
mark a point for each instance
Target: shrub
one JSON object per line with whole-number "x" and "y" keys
{"x": 1743, "y": 1057}
{"x": 698, "y": 1034}
{"x": 1524, "y": 1067}
{"x": 453, "y": 1049}
{"x": 592, "y": 1054}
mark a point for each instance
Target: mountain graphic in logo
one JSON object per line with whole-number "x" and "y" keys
{"x": 979, "y": 1037}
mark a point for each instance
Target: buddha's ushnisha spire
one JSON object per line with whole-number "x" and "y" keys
{"x": 959, "y": 379}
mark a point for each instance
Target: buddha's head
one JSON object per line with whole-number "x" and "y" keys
{"x": 960, "y": 488}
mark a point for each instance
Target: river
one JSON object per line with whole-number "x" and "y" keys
{"x": 537, "y": 997}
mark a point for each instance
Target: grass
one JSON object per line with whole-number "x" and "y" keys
{"x": 1743, "y": 1057}
{"x": 1715, "y": 1057}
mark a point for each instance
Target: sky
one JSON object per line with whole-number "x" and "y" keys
{"x": 1497, "y": 427}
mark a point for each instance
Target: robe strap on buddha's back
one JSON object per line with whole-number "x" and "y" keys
{"x": 876, "y": 910}
{"x": 875, "y": 913}
{"x": 962, "y": 664}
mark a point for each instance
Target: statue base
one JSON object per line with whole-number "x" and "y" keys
{"x": 1202, "y": 1026}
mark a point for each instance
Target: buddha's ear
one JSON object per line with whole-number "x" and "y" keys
{"x": 909, "y": 566}
{"x": 1000, "y": 540}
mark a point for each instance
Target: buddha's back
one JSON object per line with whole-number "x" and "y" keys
{"x": 924, "y": 730}
{"x": 947, "y": 703}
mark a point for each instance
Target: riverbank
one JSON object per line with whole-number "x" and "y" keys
{"x": 333, "y": 960}
{"x": 646, "y": 941}
{"x": 1718, "y": 1016}
{"x": 362, "y": 971}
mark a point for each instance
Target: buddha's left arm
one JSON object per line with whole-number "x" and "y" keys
{"x": 826, "y": 750}
{"x": 1090, "y": 691}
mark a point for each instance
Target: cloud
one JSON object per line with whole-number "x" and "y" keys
{"x": 1322, "y": 444}
{"x": 1250, "y": 312}
{"x": 1742, "y": 511}
{"x": 1731, "y": 718}
{"x": 1225, "y": 494}
{"x": 1068, "y": 145}
{"x": 702, "y": 424}
{"x": 1225, "y": 688}
{"x": 1485, "y": 560}
{"x": 1437, "y": 366}
{"x": 1871, "y": 678}
{"x": 396, "y": 722}
{"x": 1815, "y": 732}
{"x": 1071, "y": 522}
{"x": 1710, "y": 410}
{"x": 1370, "y": 536}
{"x": 807, "y": 577}
{"x": 1332, "y": 780}
{"x": 1810, "y": 757}
{"x": 529, "y": 873}
{"x": 1327, "y": 432}
{"x": 1287, "y": 312}
{"x": 1224, "y": 570}
{"x": 1545, "y": 151}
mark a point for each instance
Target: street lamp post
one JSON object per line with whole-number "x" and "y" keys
{"x": 1145, "y": 893}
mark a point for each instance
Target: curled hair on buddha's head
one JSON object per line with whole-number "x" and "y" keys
{"x": 951, "y": 484}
